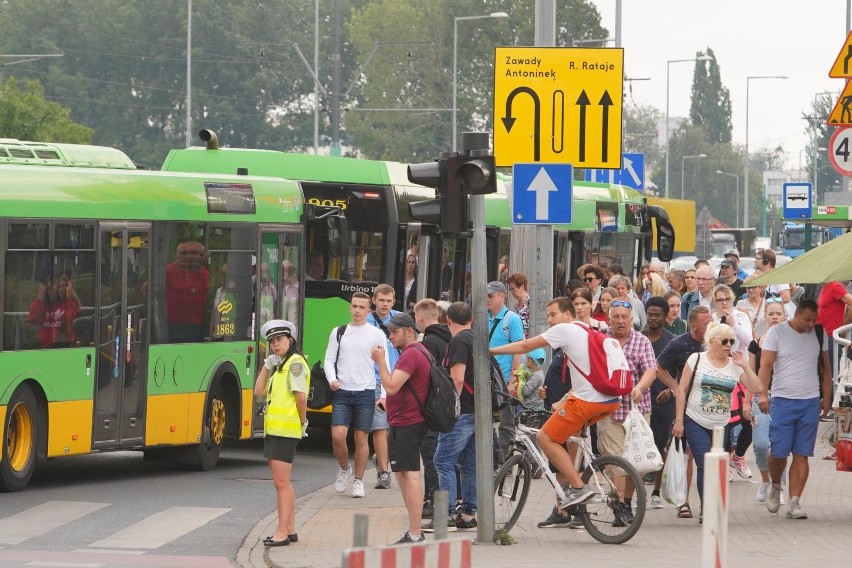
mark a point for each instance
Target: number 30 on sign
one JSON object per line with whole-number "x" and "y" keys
{"x": 840, "y": 150}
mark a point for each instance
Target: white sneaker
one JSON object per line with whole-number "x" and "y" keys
{"x": 781, "y": 497}
{"x": 773, "y": 498}
{"x": 794, "y": 511}
{"x": 762, "y": 489}
{"x": 741, "y": 465}
{"x": 342, "y": 480}
{"x": 656, "y": 502}
{"x": 358, "y": 488}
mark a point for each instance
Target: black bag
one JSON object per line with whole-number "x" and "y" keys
{"x": 441, "y": 408}
{"x": 320, "y": 394}
{"x": 499, "y": 390}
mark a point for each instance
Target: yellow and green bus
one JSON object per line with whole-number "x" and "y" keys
{"x": 131, "y": 303}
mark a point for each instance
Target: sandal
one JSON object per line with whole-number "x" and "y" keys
{"x": 684, "y": 512}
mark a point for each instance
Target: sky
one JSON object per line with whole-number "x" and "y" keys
{"x": 749, "y": 37}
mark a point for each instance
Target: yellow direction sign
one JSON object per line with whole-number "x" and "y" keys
{"x": 558, "y": 105}
{"x": 842, "y": 67}
{"x": 841, "y": 114}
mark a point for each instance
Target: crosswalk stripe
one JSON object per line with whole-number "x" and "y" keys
{"x": 63, "y": 564}
{"x": 161, "y": 528}
{"x": 38, "y": 520}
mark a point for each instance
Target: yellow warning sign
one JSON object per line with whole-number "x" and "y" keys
{"x": 558, "y": 105}
{"x": 842, "y": 68}
{"x": 841, "y": 114}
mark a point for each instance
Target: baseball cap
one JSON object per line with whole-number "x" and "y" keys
{"x": 727, "y": 263}
{"x": 496, "y": 286}
{"x": 538, "y": 355}
{"x": 402, "y": 320}
{"x": 732, "y": 252}
{"x": 274, "y": 328}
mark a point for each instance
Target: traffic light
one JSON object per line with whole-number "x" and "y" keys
{"x": 477, "y": 174}
{"x": 449, "y": 209}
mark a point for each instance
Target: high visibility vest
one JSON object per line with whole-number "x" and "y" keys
{"x": 282, "y": 415}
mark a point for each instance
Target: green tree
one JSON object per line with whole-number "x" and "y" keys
{"x": 26, "y": 115}
{"x": 711, "y": 101}
{"x": 124, "y": 68}
{"x": 640, "y": 131}
{"x": 415, "y": 80}
{"x": 819, "y": 134}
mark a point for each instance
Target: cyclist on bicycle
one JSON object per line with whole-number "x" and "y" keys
{"x": 583, "y": 405}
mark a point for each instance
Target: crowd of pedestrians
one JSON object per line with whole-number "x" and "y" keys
{"x": 705, "y": 349}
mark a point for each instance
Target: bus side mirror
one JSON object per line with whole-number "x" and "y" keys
{"x": 338, "y": 234}
{"x": 665, "y": 232}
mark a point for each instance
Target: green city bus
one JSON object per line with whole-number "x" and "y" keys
{"x": 131, "y": 302}
{"x": 358, "y": 231}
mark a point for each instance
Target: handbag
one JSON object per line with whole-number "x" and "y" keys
{"x": 674, "y": 474}
{"x": 639, "y": 447}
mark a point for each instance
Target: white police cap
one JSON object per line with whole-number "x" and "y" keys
{"x": 274, "y": 328}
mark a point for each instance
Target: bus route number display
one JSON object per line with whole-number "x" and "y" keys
{"x": 229, "y": 198}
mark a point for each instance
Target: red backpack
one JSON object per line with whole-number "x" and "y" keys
{"x": 609, "y": 372}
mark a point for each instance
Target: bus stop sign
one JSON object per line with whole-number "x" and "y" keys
{"x": 797, "y": 200}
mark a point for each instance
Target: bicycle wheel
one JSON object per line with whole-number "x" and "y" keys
{"x": 511, "y": 488}
{"x": 602, "y": 516}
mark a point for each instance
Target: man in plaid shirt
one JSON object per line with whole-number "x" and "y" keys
{"x": 643, "y": 365}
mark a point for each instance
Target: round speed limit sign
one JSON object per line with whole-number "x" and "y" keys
{"x": 840, "y": 150}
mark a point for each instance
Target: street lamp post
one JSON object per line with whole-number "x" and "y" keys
{"x": 816, "y": 171}
{"x": 745, "y": 176}
{"x": 736, "y": 209}
{"x": 456, "y": 62}
{"x": 668, "y": 70}
{"x": 683, "y": 166}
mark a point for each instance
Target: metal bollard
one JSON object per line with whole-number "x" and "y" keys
{"x": 440, "y": 506}
{"x": 715, "y": 528}
{"x": 360, "y": 528}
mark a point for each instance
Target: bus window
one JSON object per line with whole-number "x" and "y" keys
{"x": 49, "y": 293}
{"x": 230, "y": 252}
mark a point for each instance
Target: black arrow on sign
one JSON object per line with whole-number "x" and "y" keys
{"x": 509, "y": 121}
{"x": 583, "y": 102}
{"x": 605, "y": 102}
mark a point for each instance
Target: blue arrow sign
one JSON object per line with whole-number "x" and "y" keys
{"x": 631, "y": 174}
{"x": 797, "y": 200}
{"x": 542, "y": 194}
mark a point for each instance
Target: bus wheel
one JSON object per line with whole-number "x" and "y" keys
{"x": 19, "y": 440}
{"x": 212, "y": 431}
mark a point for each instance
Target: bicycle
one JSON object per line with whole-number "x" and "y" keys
{"x": 602, "y": 516}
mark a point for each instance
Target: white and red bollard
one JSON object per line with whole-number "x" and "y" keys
{"x": 715, "y": 527}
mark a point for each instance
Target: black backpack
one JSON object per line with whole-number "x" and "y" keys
{"x": 441, "y": 408}
{"x": 499, "y": 390}
{"x": 320, "y": 394}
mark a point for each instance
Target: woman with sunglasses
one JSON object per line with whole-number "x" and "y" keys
{"x": 705, "y": 391}
{"x": 283, "y": 380}
{"x": 773, "y": 315}
{"x": 724, "y": 312}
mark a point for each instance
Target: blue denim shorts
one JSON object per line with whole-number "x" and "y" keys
{"x": 380, "y": 417}
{"x": 353, "y": 409}
{"x": 793, "y": 427}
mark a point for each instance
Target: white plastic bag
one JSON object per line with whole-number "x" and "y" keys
{"x": 674, "y": 474}
{"x": 639, "y": 447}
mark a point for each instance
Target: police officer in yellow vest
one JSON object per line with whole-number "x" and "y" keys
{"x": 284, "y": 382}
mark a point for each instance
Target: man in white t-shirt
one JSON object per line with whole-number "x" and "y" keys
{"x": 583, "y": 405}
{"x": 797, "y": 363}
{"x": 351, "y": 374}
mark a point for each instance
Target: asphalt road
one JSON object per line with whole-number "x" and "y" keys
{"x": 115, "y": 509}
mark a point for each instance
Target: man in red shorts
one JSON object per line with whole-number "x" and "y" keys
{"x": 583, "y": 405}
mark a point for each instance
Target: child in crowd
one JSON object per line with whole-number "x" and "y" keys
{"x": 528, "y": 389}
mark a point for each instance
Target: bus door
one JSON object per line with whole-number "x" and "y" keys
{"x": 281, "y": 268}
{"x": 120, "y": 388}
